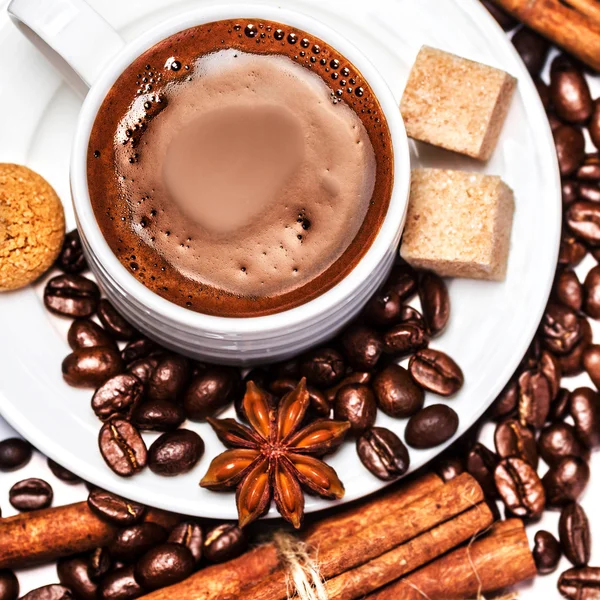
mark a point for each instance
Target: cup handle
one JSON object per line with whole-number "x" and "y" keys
{"x": 71, "y": 35}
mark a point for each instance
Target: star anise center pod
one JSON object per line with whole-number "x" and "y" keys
{"x": 274, "y": 458}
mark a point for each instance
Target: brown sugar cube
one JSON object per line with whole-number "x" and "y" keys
{"x": 458, "y": 224}
{"x": 455, "y": 103}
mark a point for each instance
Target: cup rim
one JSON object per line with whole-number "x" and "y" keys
{"x": 326, "y": 302}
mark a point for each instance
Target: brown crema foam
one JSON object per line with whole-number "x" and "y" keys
{"x": 240, "y": 168}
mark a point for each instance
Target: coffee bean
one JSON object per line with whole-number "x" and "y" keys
{"x": 384, "y": 308}
{"x": 119, "y": 396}
{"x": 175, "y": 452}
{"x": 568, "y": 290}
{"x": 114, "y": 323}
{"x": 402, "y": 281}
{"x": 546, "y": 552}
{"x": 449, "y": 468}
{"x": 323, "y": 367}
{"x": 520, "y": 488}
{"x": 14, "y": 454}
{"x": 122, "y": 447}
{"x": 114, "y": 509}
{"x": 382, "y": 452}
{"x": 559, "y": 408}
{"x": 73, "y": 574}
{"x": 533, "y": 49}
{"x": 583, "y": 218}
{"x": 99, "y": 564}
{"x": 580, "y": 584}
{"x": 431, "y": 426}
{"x": 571, "y": 364}
{"x": 158, "y": 415}
{"x": 550, "y": 367}
{"x": 362, "y": 347}
{"x": 280, "y": 387}
{"x": 169, "y": 379}
{"x": 570, "y": 148}
{"x": 572, "y": 250}
{"x": 592, "y": 293}
{"x": 505, "y": 20}
{"x": 436, "y": 372}
{"x": 553, "y": 121}
{"x": 513, "y": 439}
{"x": 132, "y": 542}
{"x": 589, "y": 192}
{"x": 9, "y": 585}
{"x": 164, "y": 565}
{"x": 574, "y": 533}
{"x": 560, "y": 329}
{"x": 50, "y": 592}
{"x": 120, "y": 585}
{"x": 358, "y": 377}
{"x": 570, "y": 189}
{"x": 594, "y": 124}
{"x": 288, "y": 369}
{"x": 71, "y": 259}
{"x": 565, "y": 481}
{"x": 589, "y": 170}
{"x": 224, "y": 542}
{"x": 569, "y": 91}
{"x": 91, "y": 367}
{"x": 190, "y": 535}
{"x": 61, "y": 473}
{"x": 211, "y": 391}
{"x": 559, "y": 440}
{"x": 404, "y": 339}
{"x": 584, "y": 407}
{"x": 535, "y": 395}
{"x": 140, "y": 348}
{"x": 591, "y": 363}
{"x": 397, "y": 394}
{"x": 481, "y": 464}
{"x": 505, "y": 405}
{"x": 356, "y": 404}
{"x": 30, "y": 494}
{"x": 435, "y": 302}
{"x": 84, "y": 333}
{"x": 143, "y": 368}
{"x": 71, "y": 296}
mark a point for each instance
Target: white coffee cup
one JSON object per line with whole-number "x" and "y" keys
{"x": 91, "y": 55}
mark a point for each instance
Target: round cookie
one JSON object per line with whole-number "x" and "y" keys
{"x": 32, "y": 226}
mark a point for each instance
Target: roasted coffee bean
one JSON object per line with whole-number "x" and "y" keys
{"x": 9, "y": 585}
{"x": 543, "y": 91}
{"x": 570, "y": 148}
{"x": 71, "y": 296}
{"x": 594, "y": 125}
{"x": 402, "y": 281}
{"x": 435, "y": 302}
{"x": 535, "y": 395}
{"x": 61, "y": 473}
{"x": 397, "y": 394}
{"x": 436, "y": 372}
{"x": 554, "y": 121}
{"x": 513, "y": 439}
{"x": 546, "y": 552}
{"x": 318, "y": 401}
{"x": 574, "y": 534}
{"x": 505, "y": 20}
{"x": 120, "y": 585}
{"x": 122, "y": 447}
{"x": 73, "y": 573}
{"x": 481, "y": 464}
{"x": 71, "y": 259}
{"x": 119, "y": 396}
{"x": 570, "y": 92}
{"x": 382, "y": 452}
{"x": 261, "y": 377}
{"x": 99, "y": 564}
{"x": 323, "y": 367}
{"x": 359, "y": 377}
{"x": 583, "y": 218}
{"x": 384, "y": 308}
{"x": 591, "y": 363}
{"x": 14, "y": 454}
{"x": 30, "y": 494}
{"x": 559, "y": 408}
{"x": 572, "y": 250}
{"x": 580, "y": 584}
{"x": 356, "y": 404}
{"x": 362, "y": 347}
{"x": 114, "y": 509}
{"x": 449, "y": 468}
{"x": 158, "y": 415}
{"x": 114, "y": 323}
{"x": 91, "y": 367}
{"x": 190, "y": 535}
{"x": 591, "y": 286}
{"x": 533, "y": 49}
{"x": 50, "y": 592}
{"x": 584, "y": 407}
{"x": 590, "y": 169}
{"x": 288, "y": 369}
{"x": 571, "y": 364}
{"x": 140, "y": 348}
{"x": 569, "y": 190}
{"x": 550, "y": 367}
{"x": 133, "y": 541}
{"x": 404, "y": 339}
{"x": 559, "y": 440}
{"x": 164, "y": 565}
{"x": 568, "y": 290}
{"x": 224, "y": 542}
{"x": 565, "y": 481}
{"x": 560, "y": 329}
{"x": 520, "y": 488}
{"x": 589, "y": 192}
{"x": 505, "y": 405}
{"x": 175, "y": 452}
{"x": 169, "y": 378}
{"x": 143, "y": 368}
{"x": 431, "y": 426}
{"x": 84, "y": 333}
{"x": 211, "y": 391}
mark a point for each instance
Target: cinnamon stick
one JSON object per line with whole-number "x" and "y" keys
{"x": 31, "y": 538}
{"x": 573, "y": 24}
{"x": 228, "y": 579}
{"x": 501, "y": 559}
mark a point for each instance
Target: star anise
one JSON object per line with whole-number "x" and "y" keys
{"x": 274, "y": 458}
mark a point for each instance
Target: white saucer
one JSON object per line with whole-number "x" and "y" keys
{"x": 491, "y": 325}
